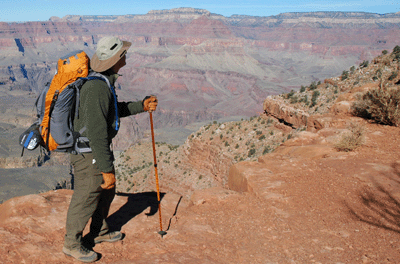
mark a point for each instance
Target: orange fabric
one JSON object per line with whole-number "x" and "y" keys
{"x": 67, "y": 73}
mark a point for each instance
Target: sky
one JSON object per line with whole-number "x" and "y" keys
{"x": 42, "y": 10}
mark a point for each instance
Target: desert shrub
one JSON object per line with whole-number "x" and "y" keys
{"x": 396, "y": 49}
{"x": 364, "y": 64}
{"x": 313, "y": 86}
{"x": 352, "y": 69}
{"x": 314, "y": 98}
{"x": 251, "y": 152}
{"x": 302, "y": 89}
{"x": 266, "y": 150}
{"x": 352, "y": 139}
{"x": 261, "y": 137}
{"x": 380, "y": 105}
{"x": 392, "y": 76}
{"x": 294, "y": 99}
{"x": 290, "y": 94}
{"x": 384, "y": 52}
{"x": 345, "y": 75}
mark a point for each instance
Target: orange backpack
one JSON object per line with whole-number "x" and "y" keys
{"x": 57, "y": 106}
{"x": 69, "y": 69}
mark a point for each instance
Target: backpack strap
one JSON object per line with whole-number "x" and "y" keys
{"x": 98, "y": 76}
{"x": 53, "y": 103}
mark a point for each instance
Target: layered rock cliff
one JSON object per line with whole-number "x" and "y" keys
{"x": 203, "y": 66}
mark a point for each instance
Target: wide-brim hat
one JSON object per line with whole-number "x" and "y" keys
{"x": 109, "y": 51}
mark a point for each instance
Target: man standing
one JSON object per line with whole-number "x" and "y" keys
{"x": 94, "y": 174}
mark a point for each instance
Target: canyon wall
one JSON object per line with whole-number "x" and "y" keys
{"x": 202, "y": 66}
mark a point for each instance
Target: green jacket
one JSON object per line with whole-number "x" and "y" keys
{"x": 97, "y": 114}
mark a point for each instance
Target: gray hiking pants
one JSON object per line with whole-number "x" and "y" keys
{"x": 88, "y": 201}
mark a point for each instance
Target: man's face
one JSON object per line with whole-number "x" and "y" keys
{"x": 121, "y": 63}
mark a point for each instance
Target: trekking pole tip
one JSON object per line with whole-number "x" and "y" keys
{"x": 162, "y": 233}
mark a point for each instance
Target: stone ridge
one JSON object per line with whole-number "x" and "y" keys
{"x": 181, "y": 10}
{"x": 187, "y": 14}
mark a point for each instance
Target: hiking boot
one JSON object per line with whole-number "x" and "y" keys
{"x": 109, "y": 237}
{"x": 81, "y": 253}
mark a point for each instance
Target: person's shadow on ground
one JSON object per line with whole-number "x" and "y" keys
{"x": 136, "y": 204}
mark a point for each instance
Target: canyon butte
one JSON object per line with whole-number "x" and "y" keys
{"x": 273, "y": 188}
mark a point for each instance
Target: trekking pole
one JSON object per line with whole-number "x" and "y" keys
{"x": 162, "y": 233}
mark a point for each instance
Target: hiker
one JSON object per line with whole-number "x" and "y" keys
{"x": 94, "y": 174}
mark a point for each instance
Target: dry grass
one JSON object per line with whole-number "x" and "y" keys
{"x": 352, "y": 139}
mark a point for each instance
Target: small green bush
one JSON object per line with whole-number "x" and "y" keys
{"x": 251, "y": 152}
{"x": 392, "y": 76}
{"x": 314, "y": 98}
{"x": 364, "y": 64}
{"x": 266, "y": 150}
{"x": 313, "y": 86}
{"x": 345, "y": 75}
{"x": 290, "y": 94}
